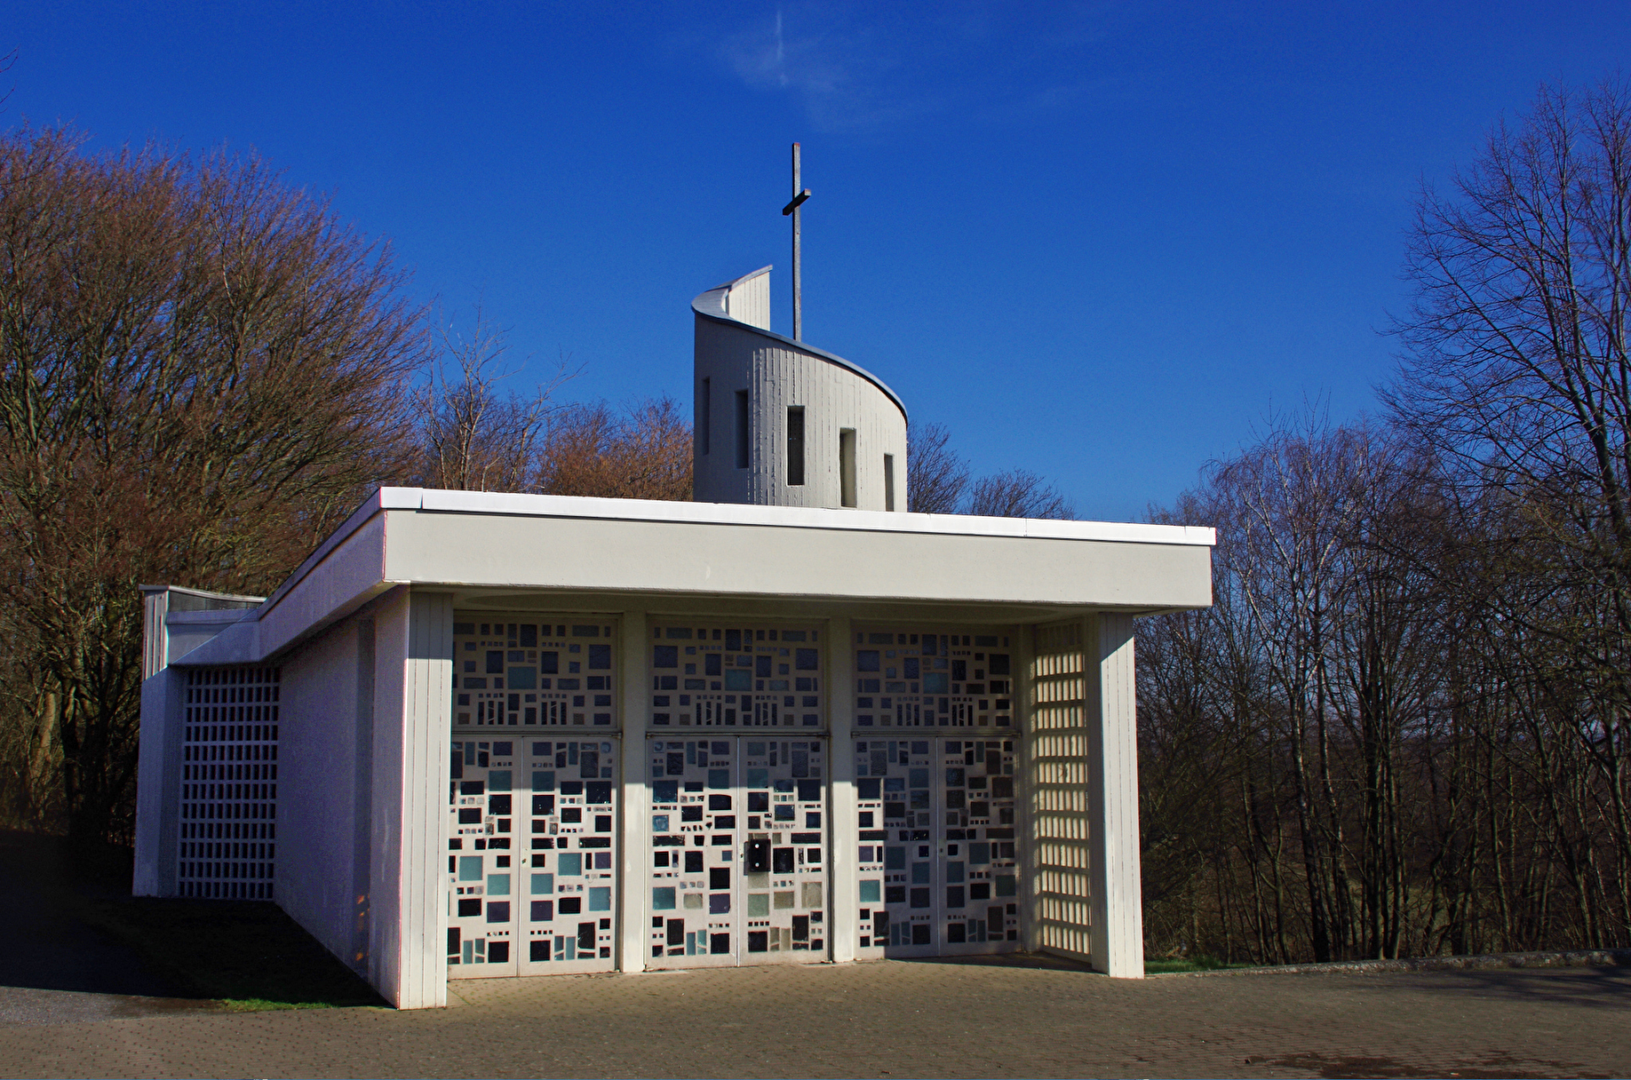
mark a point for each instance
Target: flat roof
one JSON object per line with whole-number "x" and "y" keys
{"x": 796, "y": 517}
{"x": 490, "y": 540}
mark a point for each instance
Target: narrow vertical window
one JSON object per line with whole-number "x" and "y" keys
{"x": 889, "y": 482}
{"x": 846, "y": 466}
{"x": 795, "y": 447}
{"x": 742, "y": 443}
{"x": 706, "y": 421}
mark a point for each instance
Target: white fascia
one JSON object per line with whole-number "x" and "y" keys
{"x": 350, "y": 568}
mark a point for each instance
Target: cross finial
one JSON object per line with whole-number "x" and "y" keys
{"x": 792, "y": 210}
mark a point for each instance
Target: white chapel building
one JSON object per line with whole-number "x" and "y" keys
{"x": 482, "y": 735}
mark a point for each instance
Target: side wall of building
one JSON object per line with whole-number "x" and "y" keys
{"x": 413, "y": 728}
{"x": 326, "y": 752}
{"x": 171, "y": 630}
{"x": 364, "y": 751}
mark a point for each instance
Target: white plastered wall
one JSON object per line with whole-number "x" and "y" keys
{"x": 324, "y": 876}
{"x": 1117, "y": 894}
{"x": 364, "y": 744}
{"x": 158, "y": 784}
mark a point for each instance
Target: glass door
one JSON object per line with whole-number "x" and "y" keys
{"x": 937, "y": 846}
{"x": 784, "y": 881}
{"x": 738, "y": 851}
{"x": 531, "y": 878}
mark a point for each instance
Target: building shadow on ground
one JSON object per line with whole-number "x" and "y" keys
{"x": 1578, "y": 987}
{"x": 75, "y": 927}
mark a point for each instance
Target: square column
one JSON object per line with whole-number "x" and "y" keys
{"x": 158, "y": 785}
{"x": 635, "y": 685}
{"x": 413, "y": 732}
{"x": 1117, "y": 918}
{"x": 843, "y": 910}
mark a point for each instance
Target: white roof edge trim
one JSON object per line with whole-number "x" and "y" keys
{"x": 711, "y": 306}
{"x": 384, "y": 498}
{"x": 202, "y": 592}
{"x": 797, "y": 517}
{"x": 237, "y": 643}
{"x": 219, "y": 615}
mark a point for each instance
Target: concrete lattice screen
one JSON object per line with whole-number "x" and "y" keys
{"x": 228, "y": 824}
{"x": 1058, "y": 793}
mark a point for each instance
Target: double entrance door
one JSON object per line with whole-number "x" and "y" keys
{"x": 937, "y": 842}
{"x": 738, "y": 851}
{"x": 532, "y": 837}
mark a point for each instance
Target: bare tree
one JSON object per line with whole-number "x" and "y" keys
{"x": 199, "y": 369}
{"x": 473, "y": 438}
{"x": 642, "y": 453}
{"x": 1407, "y": 713}
{"x": 1517, "y": 372}
{"x": 936, "y": 475}
{"x": 940, "y": 482}
{"x": 1017, "y": 493}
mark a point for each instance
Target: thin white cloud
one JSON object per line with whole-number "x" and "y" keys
{"x": 858, "y": 68}
{"x": 840, "y": 72}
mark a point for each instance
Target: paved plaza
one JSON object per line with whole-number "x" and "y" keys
{"x": 890, "y": 1019}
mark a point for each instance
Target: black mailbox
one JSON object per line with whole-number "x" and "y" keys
{"x": 758, "y": 860}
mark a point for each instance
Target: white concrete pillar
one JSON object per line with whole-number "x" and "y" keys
{"x": 843, "y": 909}
{"x": 1024, "y": 652}
{"x": 412, "y": 735}
{"x": 158, "y": 760}
{"x": 158, "y": 783}
{"x": 1116, "y": 920}
{"x": 634, "y": 935}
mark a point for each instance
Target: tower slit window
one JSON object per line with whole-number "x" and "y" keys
{"x": 706, "y": 423}
{"x": 889, "y": 482}
{"x": 795, "y": 446}
{"x": 742, "y": 443}
{"x": 846, "y": 466}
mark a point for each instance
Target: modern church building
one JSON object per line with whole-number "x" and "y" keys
{"x": 483, "y": 735}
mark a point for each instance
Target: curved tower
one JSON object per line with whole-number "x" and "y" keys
{"x": 779, "y": 423}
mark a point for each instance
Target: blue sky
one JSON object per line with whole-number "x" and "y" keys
{"x": 1100, "y": 241}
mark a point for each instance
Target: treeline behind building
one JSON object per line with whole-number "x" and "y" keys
{"x": 202, "y": 371}
{"x": 1405, "y": 727}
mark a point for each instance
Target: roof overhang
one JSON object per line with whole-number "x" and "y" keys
{"x": 570, "y": 554}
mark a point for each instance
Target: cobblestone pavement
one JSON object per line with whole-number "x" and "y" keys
{"x": 894, "y": 1019}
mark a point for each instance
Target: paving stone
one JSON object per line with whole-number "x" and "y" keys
{"x": 895, "y": 1019}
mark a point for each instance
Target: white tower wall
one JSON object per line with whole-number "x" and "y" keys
{"x": 736, "y": 353}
